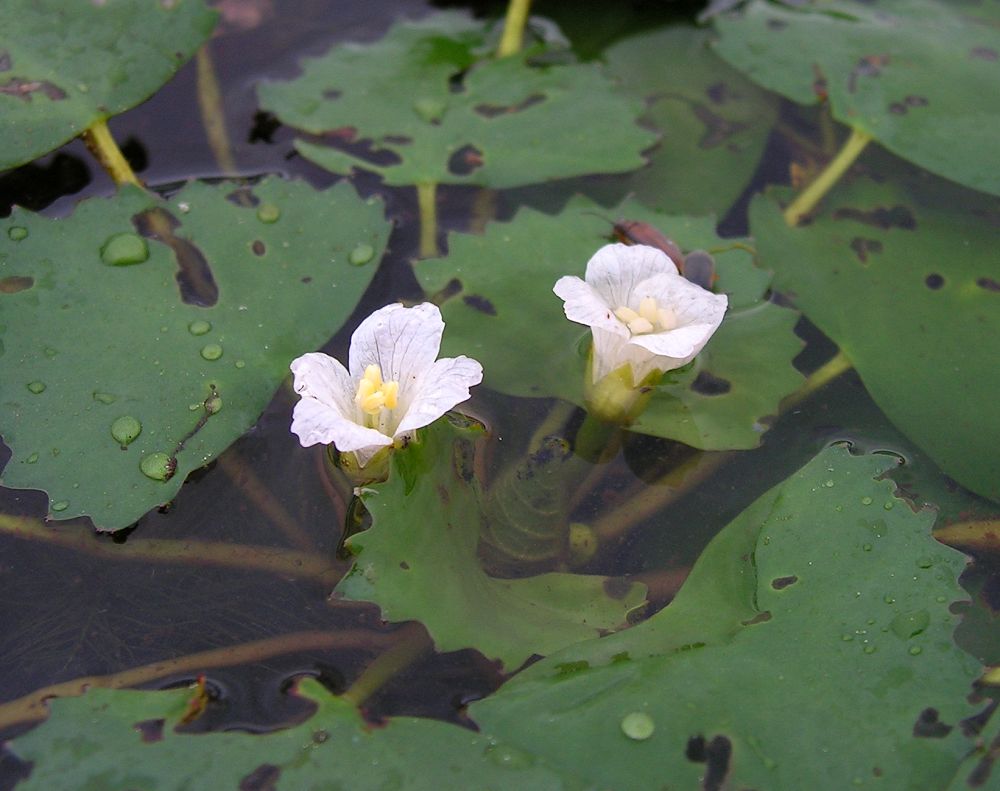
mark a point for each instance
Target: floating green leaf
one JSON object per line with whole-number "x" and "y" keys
{"x": 920, "y": 76}
{"x": 420, "y": 97}
{"x": 819, "y": 616}
{"x": 125, "y": 739}
{"x": 906, "y": 284}
{"x": 116, "y": 387}
{"x": 714, "y": 121}
{"x": 424, "y": 542}
{"x": 64, "y": 66}
{"x": 506, "y": 316}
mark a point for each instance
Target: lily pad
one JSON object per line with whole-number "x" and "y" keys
{"x": 919, "y": 76}
{"x": 125, "y": 739}
{"x": 119, "y": 380}
{"x": 919, "y": 275}
{"x": 505, "y": 315}
{"x": 64, "y": 66}
{"x": 819, "y": 616}
{"x": 419, "y": 561}
{"x": 422, "y": 100}
{"x": 715, "y": 122}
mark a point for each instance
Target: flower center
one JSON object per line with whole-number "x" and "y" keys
{"x": 373, "y": 394}
{"x": 649, "y": 318}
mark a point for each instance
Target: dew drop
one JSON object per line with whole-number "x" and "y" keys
{"x": 889, "y": 598}
{"x": 36, "y": 387}
{"x": 211, "y": 351}
{"x": 361, "y": 254}
{"x": 199, "y": 327}
{"x": 909, "y": 624}
{"x": 240, "y": 364}
{"x": 268, "y": 213}
{"x": 638, "y": 725}
{"x": 869, "y": 649}
{"x": 104, "y": 398}
{"x": 866, "y": 547}
{"x": 924, "y": 562}
{"x": 17, "y": 233}
{"x": 125, "y": 429}
{"x": 829, "y": 484}
{"x": 847, "y": 637}
{"x": 31, "y": 459}
{"x": 183, "y": 207}
{"x": 213, "y": 403}
{"x": 866, "y": 500}
{"x": 915, "y": 649}
{"x": 49, "y": 352}
{"x": 889, "y": 505}
{"x": 60, "y": 505}
{"x": 125, "y": 249}
{"x": 158, "y": 466}
{"x": 510, "y": 757}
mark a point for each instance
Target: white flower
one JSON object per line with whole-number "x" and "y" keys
{"x": 645, "y": 317}
{"x": 393, "y": 385}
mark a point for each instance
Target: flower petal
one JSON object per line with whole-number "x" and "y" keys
{"x": 584, "y": 305}
{"x": 442, "y": 386}
{"x": 616, "y": 269}
{"x": 402, "y": 341}
{"x": 324, "y": 379}
{"x": 610, "y": 352}
{"x": 316, "y": 423}
{"x": 699, "y": 314}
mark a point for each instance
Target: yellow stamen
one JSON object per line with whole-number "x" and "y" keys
{"x": 374, "y": 394}
{"x": 625, "y": 314}
{"x": 649, "y": 318}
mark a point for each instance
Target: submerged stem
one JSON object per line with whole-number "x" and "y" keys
{"x": 513, "y": 27}
{"x": 817, "y": 380}
{"x": 413, "y": 642}
{"x": 104, "y": 148}
{"x": 213, "y": 116}
{"x": 807, "y": 200}
{"x": 427, "y": 204}
{"x": 276, "y": 560}
{"x": 32, "y": 707}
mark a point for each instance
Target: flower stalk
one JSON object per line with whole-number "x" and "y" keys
{"x": 809, "y": 198}
{"x": 106, "y": 151}
{"x": 513, "y": 28}
{"x": 427, "y": 206}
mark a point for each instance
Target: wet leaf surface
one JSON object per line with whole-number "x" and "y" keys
{"x": 129, "y": 363}
{"x": 64, "y": 66}
{"x": 430, "y": 109}
{"x": 902, "y": 279}
{"x": 506, "y": 316}
{"x": 424, "y": 540}
{"x": 918, "y": 75}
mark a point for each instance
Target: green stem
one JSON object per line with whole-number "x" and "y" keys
{"x": 597, "y": 441}
{"x": 413, "y": 643}
{"x": 513, "y": 28}
{"x": 807, "y": 200}
{"x": 554, "y": 424}
{"x": 213, "y": 117}
{"x": 427, "y": 204}
{"x": 104, "y": 148}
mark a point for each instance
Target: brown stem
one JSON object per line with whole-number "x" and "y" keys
{"x": 412, "y": 644}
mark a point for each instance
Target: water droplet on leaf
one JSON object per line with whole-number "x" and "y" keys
{"x": 199, "y": 327}
{"x": 36, "y": 387}
{"x": 61, "y": 505}
{"x": 361, "y": 254}
{"x": 158, "y": 466}
{"x": 17, "y": 233}
{"x": 241, "y": 363}
{"x": 105, "y": 398}
{"x": 31, "y": 459}
{"x": 869, "y": 649}
{"x": 268, "y": 213}
{"x": 866, "y": 500}
{"x": 125, "y": 249}
{"x": 915, "y": 649}
{"x": 125, "y": 429}
{"x": 638, "y": 725}
{"x": 924, "y": 562}
{"x": 889, "y": 505}
{"x": 212, "y": 351}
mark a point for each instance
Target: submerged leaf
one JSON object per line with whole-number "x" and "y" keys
{"x": 432, "y": 112}
{"x": 505, "y": 315}
{"x": 920, "y": 76}
{"x": 128, "y": 363}
{"x": 64, "y": 66}
{"x": 905, "y": 281}
{"x": 419, "y": 561}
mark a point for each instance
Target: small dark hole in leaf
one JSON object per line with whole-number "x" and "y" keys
{"x": 776, "y": 24}
{"x": 243, "y": 196}
{"x": 15, "y": 283}
{"x": 258, "y": 247}
{"x": 880, "y": 217}
{"x": 398, "y": 140}
{"x": 34, "y": 187}
{"x": 928, "y": 726}
{"x": 306, "y": 279}
{"x": 761, "y": 617}
{"x": 194, "y": 277}
{"x": 23, "y": 89}
{"x": 5, "y": 61}
{"x": 984, "y": 53}
{"x": 934, "y": 281}
{"x": 479, "y": 303}
{"x": 466, "y": 160}
{"x": 263, "y": 778}
{"x": 496, "y": 110}
{"x": 404, "y": 565}
{"x": 136, "y": 155}
{"x": 150, "y": 730}
{"x": 863, "y": 247}
{"x": 709, "y": 384}
{"x": 456, "y": 82}
{"x": 780, "y": 583}
{"x": 988, "y": 283}
{"x": 451, "y": 288}
{"x": 332, "y": 93}
{"x": 898, "y": 108}
{"x": 916, "y": 101}
{"x": 695, "y": 749}
{"x": 263, "y": 129}
{"x": 717, "y": 755}
{"x": 720, "y": 93}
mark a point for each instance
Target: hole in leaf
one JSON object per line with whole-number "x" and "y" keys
{"x": 263, "y": 778}
{"x": 15, "y": 283}
{"x": 988, "y": 283}
{"x": 34, "y": 187}
{"x": 398, "y": 140}
{"x": 332, "y": 93}
{"x": 263, "y": 129}
{"x": 928, "y": 726}
{"x": 868, "y": 66}
{"x": 194, "y": 277}
{"x": 880, "y": 217}
{"x": 934, "y": 281}
{"x": 5, "y": 61}
{"x": 466, "y": 160}
{"x": 709, "y": 384}
{"x": 24, "y": 89}
{"x": 242, "y": 196}
{"x": 780, "y": 583}
{"x": 695, "y": 749}
{"x": 862, "y": 247}
{"x": 984, "y": 53}
{"x": 717, "y": 755}
{"x": 495, "y": 110}
{"x": 479, "y": 303}
{"x": 761, "y": 617}
{"x": 258, "y": 247}
{"x": 150, "y": 730}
